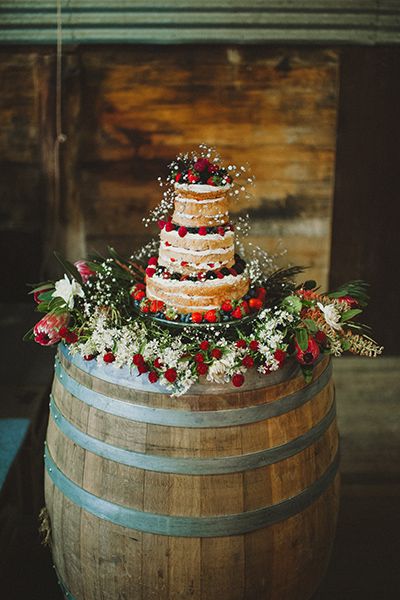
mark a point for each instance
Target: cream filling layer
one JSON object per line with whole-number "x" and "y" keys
{"x": 216, "y": 216}
{"x": 196, "y": 236}
{"x": 194, "y": 201}
{"x": 208, "y": 283}
{"x": 179, "y": 250}
{"x": 201, "y": 188}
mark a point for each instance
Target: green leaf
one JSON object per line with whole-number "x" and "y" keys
{"x": 302, "y": 338}
{"x": 41, "y": 286}
{"x": 346, "y": 345}
{"x": 43, "y": 307}
{"x": 46, "y": 296}
{"x": 310, "y": 284}
{"x": 28, "y": 337}
{"x": 69, "y": 267}
{"x": 292, "y": 304}
{"x": 311, "y": 325}
{"x": 307, "y": 373}
{"x": 349, "y": 314}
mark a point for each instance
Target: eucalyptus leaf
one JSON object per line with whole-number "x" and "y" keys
{"x": 349, "y": 314}
{"x": 302, "y": 338}
{"x": 292, "y": 304}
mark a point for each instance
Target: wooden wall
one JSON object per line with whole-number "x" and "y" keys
{"x": 129, "y": 110}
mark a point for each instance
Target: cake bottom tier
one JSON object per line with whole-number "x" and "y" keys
{"x": 189, "y": 296}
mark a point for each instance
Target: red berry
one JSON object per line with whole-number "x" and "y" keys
{"x": 219, "y": 274}
{"x": 142, "y": 368}
{"x": 202, "y": 368}
{"x": 167, "y": 244}
{"x": 71, "y": 337}
{"x": 140, "y": 286}
{"x": 202, "y": 230}
{"x": 280, "y": 356}
{"x": 227, "y": 306}
{"x": 88, "y": 357}
{"x": 184, "y": 263}
{"x": 150, "y": 271}
{"x": 211, "y": 265}
{"x": 248, "y": 361}
{"x": 261, "y": 293}
{"x": 199, "y": 357}
{"x": 233, "y": 272}
{"x": 169, "y": 226}
{"x": 221, "y": 231}
{"x": 210, "y": 181}
{"x": 157, "y": 363}
{"x": 178, "y": 176}
{"x": 109, "y": 357}
{"x": 152, "y": 376}
{"x": 241, "y": 344}
{"x": 182, "y": 231}
{"x": 238, "y": 380}
{"x": 153, "y": 260}
{"x": 237, "y": 313}
{"x": 192, "y": 177}
{"x": 245, "y": 307}
{"x": 161, "y": 223}
{"x": 145, "y": 308}
{"x": 204, "y": 345}
{"x": 139, "y": 295}
{"x": 254, "y": 345}
{"x": 255, "y": 303}
{"x": 197, "y": 317}
{"x": 170, "y": 375}
{"x": 137, "y": 359}
{"x": 211, "y": 316}
{"x": 216, "y": 353}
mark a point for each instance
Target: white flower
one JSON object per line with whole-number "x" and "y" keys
{"x": 66, "y": 290}
{"x": 331, "y": 315}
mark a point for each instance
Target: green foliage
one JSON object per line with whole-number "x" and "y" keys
{"x": 292, "y": 304}
{"x": 350, "y": 314}
{"x": 357, "y": 289}
{"x": 68, "y": 267}
{"x": 301, "y": 335}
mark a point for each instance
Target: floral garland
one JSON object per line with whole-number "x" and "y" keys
{"x": 92, "y": 310}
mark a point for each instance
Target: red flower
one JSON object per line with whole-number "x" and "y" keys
{"x": 255, "y": 303}
{"x": 241, "y": 344}
{"x": 199, "y": 357}
{"x": 197, "y": 317}
{"x": 137, "y": 359}
{"x": 150, "y": 271}
{"x": 227, "y": 306}
{"x": 201, "y": 165}
{"x": 254, "y": 345}
{"x": 182, "y": 231}
{"x": 310, "y": 355}
{"x": 84, "y": 270}
{"x": 211, "y": 316}
{"x": 321, "y": 338}
{"x": 216, "y": 353}
{"x": 202, "y": 368}
{"x": 238, "y": 380}
{"x": 237, "y": 313}
{"x": 161, "y": 223}
{"x": 202, "y": 230}
{"x": 142, "y": 368}
{"x": 192, "y": 177}
{"x": 108, "y": 357}
{"x": 213, "y": 168}
{"x": 352, "y": 302}
{"x": 204, "y": 345}
{"x": 280, "y": 356}
{"x": 47, "y": 330}
{"x": 153, "y": 376}
{"x": 170, "y": 375}
{"x": 248, "y": 361}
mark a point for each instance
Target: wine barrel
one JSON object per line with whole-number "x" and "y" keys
{"x": 220, "y": 494}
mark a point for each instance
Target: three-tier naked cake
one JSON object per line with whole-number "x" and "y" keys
{"x": 197, "y": 268}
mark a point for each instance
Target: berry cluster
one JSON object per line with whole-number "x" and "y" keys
{"x": 154, "y": 269}
{"x": 199, "y": 171}
{"x": 168, "y": 225}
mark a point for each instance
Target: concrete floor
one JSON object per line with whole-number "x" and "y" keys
{"x": 365, "y": 560}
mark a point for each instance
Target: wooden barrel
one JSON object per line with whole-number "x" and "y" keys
{"x": 219, "y": 495}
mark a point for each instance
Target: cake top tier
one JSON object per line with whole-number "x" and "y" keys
{"x": 201, "y": 205}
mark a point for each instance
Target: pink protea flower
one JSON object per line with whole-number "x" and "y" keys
{"x": 84, "y": 270}
{"x": 46, "y": 331}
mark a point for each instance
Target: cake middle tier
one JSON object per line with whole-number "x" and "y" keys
{"x": 190, "y": 296}
{"x": 195, "y": 252}
{"x": 207, "y": 207}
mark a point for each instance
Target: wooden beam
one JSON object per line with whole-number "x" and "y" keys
{"x": 220, "y": 21}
